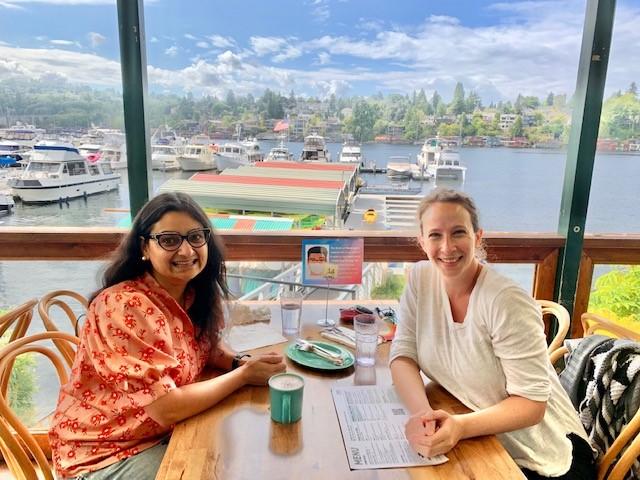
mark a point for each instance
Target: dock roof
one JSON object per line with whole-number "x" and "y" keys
{"x": 261, "y": 198}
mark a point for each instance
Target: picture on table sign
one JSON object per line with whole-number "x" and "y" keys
{"x": 317, "y": 258}
{"x": 334, "y": 260}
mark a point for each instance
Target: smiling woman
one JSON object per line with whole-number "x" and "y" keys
{"x": 149, "y": 333}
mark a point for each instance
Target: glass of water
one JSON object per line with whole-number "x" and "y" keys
{"x": 366, "y": 339}
{"x": 291, "y": 308}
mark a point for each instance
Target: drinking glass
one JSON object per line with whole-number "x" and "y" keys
{"x": 291, "y": 308}
{"x": 366, "y": 330}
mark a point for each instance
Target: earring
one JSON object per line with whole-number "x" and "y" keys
{"x": 144, "y": 259}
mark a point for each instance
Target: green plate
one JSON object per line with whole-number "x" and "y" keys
{"x": 312, "y": 360}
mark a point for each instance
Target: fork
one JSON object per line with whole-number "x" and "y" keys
{"x": 319, "y": 351}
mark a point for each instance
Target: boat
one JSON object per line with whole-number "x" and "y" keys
{"x": 447, "y": 166}
{"x": 11, "y": 153}
{"x": 430, "y": 149}
{"x": 238, "y": 154}
{"x": 25, "y": 135}
{"x": 115, "y": 156}
{"x": 90, "y": 151}
{"x": 57, "y": 171}
{"x": 351, "y": 153}
{"x": 197, "y": 158}
{"x": 314, "y": 149}
{"x": 399, "y": 168}
{"x": 279, "y": 154}
{"x": 165, "y": 157}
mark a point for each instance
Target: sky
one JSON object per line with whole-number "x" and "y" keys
{"x": 320, "y": 47}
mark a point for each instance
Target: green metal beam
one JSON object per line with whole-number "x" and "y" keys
{"x": 592, "y": 73}
{"x": 133, "y": 62}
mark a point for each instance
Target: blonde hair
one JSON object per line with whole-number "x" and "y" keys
{"x": 449, "y": 195}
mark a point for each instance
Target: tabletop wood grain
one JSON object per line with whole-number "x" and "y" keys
{"x": 237, "y": 440}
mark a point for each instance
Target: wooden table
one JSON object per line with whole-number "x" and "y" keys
{"x": 237, "y": 440}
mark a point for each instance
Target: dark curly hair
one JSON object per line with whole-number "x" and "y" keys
{"x": 209, "y": 286}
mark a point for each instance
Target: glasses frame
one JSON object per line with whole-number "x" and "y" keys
{"x": 157, "y": 236}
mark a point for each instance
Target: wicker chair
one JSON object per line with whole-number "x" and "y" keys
{"x": 21, "y": 318}
{"x": 57, "y": 299}
{"x": 563, "y": 319}
{"x": 607, "y": 469}
{"x": 24, "y": 454}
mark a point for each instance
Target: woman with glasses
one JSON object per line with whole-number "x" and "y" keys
{"x": 150, "y": 331}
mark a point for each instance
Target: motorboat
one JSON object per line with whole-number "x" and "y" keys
{"x": 90, "y": 151}
{"x": 25, "y": 135}
{"x": 115, "y": 156}
{"x": 399, "y": 168}
{"x": 428, "y": 152}
{"x": 56, "y": 171}
{"x": 238, "y": 154}
{"x": 165, "y": 157}
{"x": 11, "y": 153}
{"x": 279, "y": 154}
{"x": 197, "y": 158}
{"x": 314, "y": 149}
{"x": 351, "y": 153}
{"x": 447, "y": 166}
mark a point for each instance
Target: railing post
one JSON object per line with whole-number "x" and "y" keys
{"x": 592, "y": 72}
{"x": 133, "y": 63}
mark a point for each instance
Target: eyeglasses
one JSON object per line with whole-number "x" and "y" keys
{"x": 171, "y": 241}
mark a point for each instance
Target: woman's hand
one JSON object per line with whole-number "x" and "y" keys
{"x": 417, "y": 428}
{"x": 258, "y": 369}
{"x": 448, "y": 432}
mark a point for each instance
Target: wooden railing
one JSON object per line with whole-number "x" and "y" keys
{"x": 540, "y": 249}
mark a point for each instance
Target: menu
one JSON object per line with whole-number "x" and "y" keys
{"x": 372, "y": 420}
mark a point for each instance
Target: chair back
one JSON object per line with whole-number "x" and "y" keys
{"x": 562, "y": 318}
{"x": 57, "y": 299}
{"x": 18, "y": 444}
{"x": 592, "y": 323}
{"x": 21, "y": 318}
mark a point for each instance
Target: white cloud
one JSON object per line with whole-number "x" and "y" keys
{"x": 536, "y": 54}
{"x": 189, "y": 36}
{"x": 320, "y": 10}
{"x": 96, "y": 39}
{"x": 153, "y": 40}
{"x": 202, "y": 45}
{"x": 221, "y": 42}
{"x": 41, "y": 38}
{"x": 64, "y": 43}
{"x": 324, "y": 58}
{"x": 267, "y": 45}
{"x": 171, "y": 51}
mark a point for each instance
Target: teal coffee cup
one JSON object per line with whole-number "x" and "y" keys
{"x": 285, "y": 395}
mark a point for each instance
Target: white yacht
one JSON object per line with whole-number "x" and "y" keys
{"x": 430, "y": 148}
{"x": 447, "y": 166}
{"x": 314, "y": 149}
{"x": 165, "y": 157}
{"x": 238, "y": 154}
{"x": 351, "y": 153}
{"x": 57, "y": 171}
{"x": 196, "y": 158}
{"x": 114, "y": 155}
{"x": 279, "y": 154}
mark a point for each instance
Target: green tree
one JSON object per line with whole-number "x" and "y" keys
{"x": 457, "y": 105}
{"x": 549, "y": 101}
{"x": 414, "y": 123}
{"x": 22, "y": 385}
{"x": 362, "y": 121}
{"x": 617, "y": 295}
{"x": 517, "y": 130}
{"x": 391, "y": 287}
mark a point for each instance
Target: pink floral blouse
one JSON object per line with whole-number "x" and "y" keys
{"x": 137, "y": 344}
